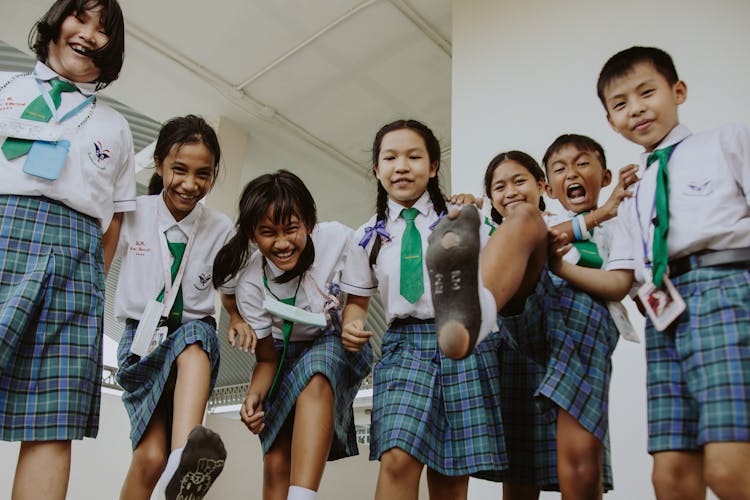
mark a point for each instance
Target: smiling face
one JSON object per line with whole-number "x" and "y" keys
{"x": 575, "y": 178}
{"x": 404, "y": 166}
{"x": 79, "y": 35}
{"x": 187, "y": 173}
{"x": 513, "y": 185}
{"x": 282, "y": 243}
{"x": 642, "y": 105}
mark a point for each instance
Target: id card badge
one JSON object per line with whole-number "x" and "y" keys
{"x": 146, "y": 331}
{"x": 663, "y": 305}
{"x": 159, "y": 337}
{"x": 46, "y": 159}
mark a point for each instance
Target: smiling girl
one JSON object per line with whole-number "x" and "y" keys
{"x": 303, "y": 385}
{"x": 168, "y": 368}
{"x": 61, "y": 205}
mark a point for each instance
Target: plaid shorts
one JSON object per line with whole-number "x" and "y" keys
{"x": 143, "y": 379}
{"x": 444, "y": 413}
{"x": 344, "y": 370}
{"x": 698, "y": 375}
{"x": 51, "y": 310}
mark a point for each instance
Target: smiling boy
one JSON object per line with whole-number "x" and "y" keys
{"x": 692, "y": 208}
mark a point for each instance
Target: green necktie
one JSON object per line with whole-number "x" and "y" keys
{"x": 412, "y": 284}
{"x": 38, "y": 111}
{"x": 661, "y": 224}
{"x": 175, "y": 315}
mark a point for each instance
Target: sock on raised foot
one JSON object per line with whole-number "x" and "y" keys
{"x": 172, "y": 462}
{"x": 201, "y": 463}
{"x": 300, "y": 493}
{"x": 452, "y": 260}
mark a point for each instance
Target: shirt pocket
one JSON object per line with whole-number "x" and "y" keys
{"x": 698, "y": 187}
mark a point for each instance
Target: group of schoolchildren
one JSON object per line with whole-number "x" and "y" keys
{"x": 496, "y": 361}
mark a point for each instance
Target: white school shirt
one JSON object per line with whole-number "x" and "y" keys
{"x": 98, "y": 178}
{"x": 141, "y": 270}
{"x": 330, "y": 240}
{"x": 358, "y": 279}
{"x": 709, "y": 193}
{"x": 613, "y": 241}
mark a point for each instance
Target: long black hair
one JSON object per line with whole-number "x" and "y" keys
{"x": 433, "y": 185}
{"x": 524, "y": 160}
{"x": 108, "y": 58}
{"x": 288, "y": 196}
{"x": 190, "y": 129}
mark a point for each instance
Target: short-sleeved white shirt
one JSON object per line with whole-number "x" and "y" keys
{"x": 98, "y": 178}
{"x": 709, "y": 194}
{"x": 330, "y": 240}
{"x": 358, "y": 279}
{"x": 141, "y": 270}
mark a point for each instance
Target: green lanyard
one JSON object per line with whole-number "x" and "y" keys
{"x": 286, "y": 327}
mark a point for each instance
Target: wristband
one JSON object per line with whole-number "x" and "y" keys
{"x": 576, "y": 229}
{"x": 585, "y": 235}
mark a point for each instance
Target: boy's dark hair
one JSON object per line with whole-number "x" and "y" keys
{"x": 190, "y": 129}
{"x": 623, "y": 62}
{"x": 581, "y": 142}
{"x": 107, "y": 58}
{"x": 524, "y": 160}
{"x": 433, "y": 185}
{"x": 288, "y": 196}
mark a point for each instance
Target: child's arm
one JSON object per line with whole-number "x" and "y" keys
{"x": 600, "y": 283}
{"x": 251, "y": 411}
{"x": 627, "y": 177}
{"x": 353, "y": 334}
{"x": 110, "y": 238}
{"x": 238, "y": 327}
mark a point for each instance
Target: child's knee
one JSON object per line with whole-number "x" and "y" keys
{"x": 150, "y": 462}
{"x": 583, "y": 471}
{"x": 397, "y": 465}
{"x": 727, "y": 479}
{"x": 276, "y": 467}
{"x": 318, "y": 388}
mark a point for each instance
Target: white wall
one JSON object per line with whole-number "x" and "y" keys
{"x": 525, "y": 72}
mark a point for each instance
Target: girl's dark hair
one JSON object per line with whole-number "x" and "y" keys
{"x": 433, "y": 185}
{"x": 581, "y": 142}
{"x": 107, "y": 58}
{"x": 188, "y": 129}
{"x": 523, "y": 159}
{"x": 288, "y": 196}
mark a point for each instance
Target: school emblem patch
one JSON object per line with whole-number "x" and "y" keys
{"x": 204, "y": 281}
{"x": 99, "y": 156}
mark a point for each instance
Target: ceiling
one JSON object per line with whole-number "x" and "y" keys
{"x": 327, "y": 71}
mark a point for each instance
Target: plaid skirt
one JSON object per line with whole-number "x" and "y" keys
{"x": 51, "y": 310}
{"x": 698, "y": 369}
{"x": 344, "y": 370}
{"x": 143, "y": 379}
{"x": 573, "y": 336}
{"x": 442, "y": 412}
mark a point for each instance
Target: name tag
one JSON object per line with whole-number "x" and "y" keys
{"x": 663, "y": 305}
{"x": 143, "y": 340}
{"x": 294, "y": 314}
{"x": 20, "y": 128}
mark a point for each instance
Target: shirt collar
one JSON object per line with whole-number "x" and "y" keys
{"x": 45, "y": 73}
{"x": 423, "y": 204}
{"x": 677, "y": 134}
{"x": 167, "y": 220}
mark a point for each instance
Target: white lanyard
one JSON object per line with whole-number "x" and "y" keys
{"x": 171, "y": 288}
{"x": 51, "y": 105}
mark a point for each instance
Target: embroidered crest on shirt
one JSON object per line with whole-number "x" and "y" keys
{"x": 698, "y": 188}
{"x": 204, "y": 280}
{"x": 99, "y": 155}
